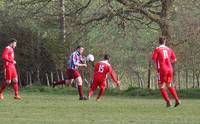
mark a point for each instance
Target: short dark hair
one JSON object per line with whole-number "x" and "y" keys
{"x": 78, "y": 47}
{"x": 11, "y": 40}
{"x": 162, "y": 40}
{"x": 106, "y": 57}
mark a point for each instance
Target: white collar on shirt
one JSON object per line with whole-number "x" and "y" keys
{"x": 106, "y": 62}
{"x": 8, "y": 47}
{"x": 162, "y": 45}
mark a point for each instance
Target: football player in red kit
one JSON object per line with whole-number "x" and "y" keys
{"x": 163, "y": 57}
{"x": 10, "y": 73}
{"x": 100, "y": 73}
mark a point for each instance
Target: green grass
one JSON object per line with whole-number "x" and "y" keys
{"x": 61, "y": 106}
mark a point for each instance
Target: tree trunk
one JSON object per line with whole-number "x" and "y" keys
{"x": 141, "y": 82}
{"x": 30, "y": 78}
{"x": 179, "y": 80}
{"x": 193, "y": 78}
{"x": 38, "y": 76}
{"x": 149, "y": 76}
{"x": 58, "y": 76}
{"x": 19, "y": 79}
{"x": 165, "y": 30}
{"x": 164, "y": 17}
{"x": 174, "y": 75}
{"x": 37, "y": 58}
{"x": 47, "y": 78}
{"x": 62, "y": 21}
{"x": 27, "y": 78}
{"x": 62, "y": 75}
{"x": 186, "y": 79}
{"x": 197, "y": 76}
{"x": 52, "y": 78}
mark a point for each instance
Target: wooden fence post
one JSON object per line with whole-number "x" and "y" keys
{"x": 52, "y": 78}
{"x": 149, "y": 76}
{"x": 186, "y": 79}
{"x": 179, "y": 79}
{"x": 30, "y": 79}
{"x": 27, "y": 78}
{"x": 58, "y": 77}
{"x": 47, "y": 78}
{"x": 62, "y": 76}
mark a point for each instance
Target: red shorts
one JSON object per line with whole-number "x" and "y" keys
{"x": 165, "y": 76}
{"x": 10, "y": 73}
{"x": 96, "y": 83}
{"x": 72, "y": 73}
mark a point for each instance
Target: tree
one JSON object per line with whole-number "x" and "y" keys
{"x": 62, "y": 21}
{"x": 186, "y": 39}
{"x": 147, "y": 13}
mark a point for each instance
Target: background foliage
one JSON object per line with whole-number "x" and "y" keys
{"x": 120, "y": 28}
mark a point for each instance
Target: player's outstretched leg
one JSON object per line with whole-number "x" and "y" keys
{"x": 90, "y": 93}
{"x": 16, "y": 88}
{"x": 81, "y": 94}
{"x": 165, "y": 96}
{"x": 102, "y": 89}
{"x": 93, "y": 87}
{"x": 174, "y": 94}
{"x": 80, "y": 88}
{"x": 61, "y": 82}
{"x": 4, "y": 85}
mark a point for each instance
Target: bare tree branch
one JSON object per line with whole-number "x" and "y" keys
{"x": 149, "y": 3}
{"x": 83, "y": 7}
{"x": 94, "y": 17}
{"x": 124, "y": 2}
{"x": 121, "y": 12}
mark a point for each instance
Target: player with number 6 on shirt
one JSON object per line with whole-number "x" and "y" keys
{"x": 163, "y": 57}
{"x": 100, "y": 74}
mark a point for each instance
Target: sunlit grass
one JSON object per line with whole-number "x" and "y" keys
{"x": 56, "y": 107}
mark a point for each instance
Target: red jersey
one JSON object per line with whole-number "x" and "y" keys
{"x": 163, "y": 56}
{"x": 8, "y": 57}
{"x": 101, "y": 69}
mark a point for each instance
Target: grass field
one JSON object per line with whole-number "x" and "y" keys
{"x": 58, "y": 107}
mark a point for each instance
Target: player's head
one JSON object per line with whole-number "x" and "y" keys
{"x": 106, "y": 57}
{"x": 12, "y": 42}
{"x": 162, "y": 40}
{"x": 80, "y": 49}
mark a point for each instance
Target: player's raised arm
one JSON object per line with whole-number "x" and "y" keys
{"x": 113, "y": 75}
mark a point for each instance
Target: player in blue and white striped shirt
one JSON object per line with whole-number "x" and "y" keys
{"x": 75, "y": 60}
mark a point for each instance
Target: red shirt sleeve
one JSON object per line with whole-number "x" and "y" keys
{"x": 112, "y": 74}
{"x": 155, "y": 55}
{"x": 6, "y": 55}
{"x": 173, "y": 56}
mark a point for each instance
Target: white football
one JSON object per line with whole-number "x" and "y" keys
{"x": 90, "y": 57}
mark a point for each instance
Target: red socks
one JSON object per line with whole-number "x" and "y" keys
{"x": 165, "y": 95}
{"x": 90, "y": 93}
{"x": 80, "y": 90}
{"x": 173, "y": 92}
{"x": 15, "y": 87}
{"x": 100, "y": 92}
{"x": 4, "y": 85}
{"x": 93, "y": 87}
